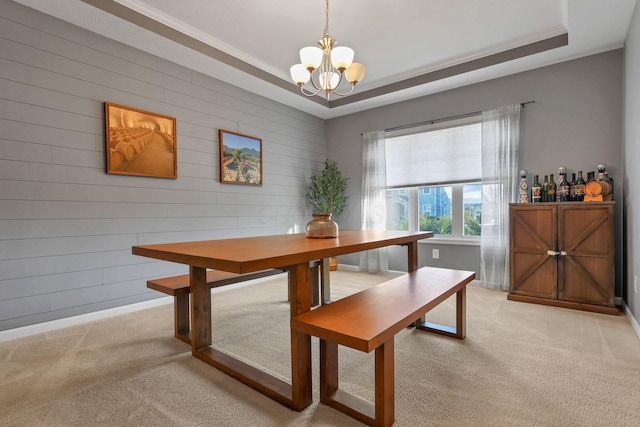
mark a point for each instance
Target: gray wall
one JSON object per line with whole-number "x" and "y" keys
{"x": 631, "y": 162}
{"x": 576, "y": 121}
{"x": 66, "y": 227}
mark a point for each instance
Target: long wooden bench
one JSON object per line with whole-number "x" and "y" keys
{"x": 178, "y": 287}
{"x": 368, "y": 321}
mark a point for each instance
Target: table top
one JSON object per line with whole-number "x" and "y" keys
{"x": 247, "y": 254}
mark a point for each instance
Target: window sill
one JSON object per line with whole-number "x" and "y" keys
{"x": 443, "y": 240}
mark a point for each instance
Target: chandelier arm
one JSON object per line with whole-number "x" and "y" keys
{"x": 340, "y": 73}
{"x": 317, "y": 87}
{"x": 346, "y": 93}
{"x": 307, "y": 93}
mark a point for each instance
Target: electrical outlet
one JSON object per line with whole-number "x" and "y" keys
{"x": 435, "y": 254}
{"x": 635, "y": 283}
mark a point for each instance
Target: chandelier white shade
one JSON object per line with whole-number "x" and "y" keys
{"x": 331, "y": 65}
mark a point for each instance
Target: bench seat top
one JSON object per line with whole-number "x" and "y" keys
{"x": 179, "y": 285}
{"x": 367, "y": 319}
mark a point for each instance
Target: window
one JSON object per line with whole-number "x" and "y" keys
{"x": 433, "y": 178}
{"x": 398, "y": 209}
{"x": 472, "y": 208}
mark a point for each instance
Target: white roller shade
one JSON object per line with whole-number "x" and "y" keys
{"x": 442, "y": 153}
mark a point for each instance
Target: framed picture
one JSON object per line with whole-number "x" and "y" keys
{"x": 240, "y": 158}
{"x": 139, "y": 142}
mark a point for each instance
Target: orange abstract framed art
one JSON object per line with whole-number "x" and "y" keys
{"x": 140, "y": 142}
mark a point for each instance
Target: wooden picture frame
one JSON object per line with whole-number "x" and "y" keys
{"x": 139, "y": 142}
{"x": 240, "y": 158}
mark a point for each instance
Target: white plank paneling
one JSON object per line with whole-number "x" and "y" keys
{"x": 67, "y": 227}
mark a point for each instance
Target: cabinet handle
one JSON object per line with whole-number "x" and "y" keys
{"x": 563, "y": 253}
{"x": 552, "y": 253}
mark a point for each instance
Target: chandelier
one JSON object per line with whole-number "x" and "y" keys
{"x": 333, "y": 65}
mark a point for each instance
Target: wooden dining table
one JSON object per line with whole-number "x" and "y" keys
{"x": 289, "y": 252}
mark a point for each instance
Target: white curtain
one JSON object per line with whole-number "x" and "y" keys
{"x": 500, "y": 179}
{"x": 374, "y": 198}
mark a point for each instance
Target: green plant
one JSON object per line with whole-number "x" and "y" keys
{"x": 327, "y": 190}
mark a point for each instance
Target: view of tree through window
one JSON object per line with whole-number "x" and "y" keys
{"x": 472, "y": 203}
{"x": 434, "y": 209}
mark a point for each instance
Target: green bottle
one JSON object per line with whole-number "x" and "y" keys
{"x": 551, "y": 190}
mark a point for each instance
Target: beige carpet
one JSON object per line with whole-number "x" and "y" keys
{"x": 521, "y": 365}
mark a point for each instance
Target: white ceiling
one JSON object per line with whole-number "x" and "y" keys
{"x": 256, "y": 41}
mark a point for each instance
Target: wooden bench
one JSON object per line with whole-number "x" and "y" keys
{"x": 368, "y": 321}
{"x": 178, "y": 287}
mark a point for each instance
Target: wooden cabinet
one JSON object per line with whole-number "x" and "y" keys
{"x": 562, "y": 254}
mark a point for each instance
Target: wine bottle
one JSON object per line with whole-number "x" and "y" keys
{"x": 562, "y": 194}
{"x": 551, "y": 189}
{"x": 561, "y": 171}
{"x": 579, "y": 188}
{"x": 524, "y": 187}
{"x": 572, "y": 187}
{"x": 536, "y": 190}
{"x": 604, "y": 177}
{"x": 545, "y": 188}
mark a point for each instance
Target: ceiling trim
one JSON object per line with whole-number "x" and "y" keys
{"x": 461, "y": 68}
{"x": 141, "y": 20}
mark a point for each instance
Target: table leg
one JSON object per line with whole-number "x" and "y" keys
{"x": 412, "y": 256}
{"x": 315, "y": 282}
{"x": 301, "y": 386}
{"x": 412, "y": 265}
{"x": 325, "y": 282}
{"x": 200, "y": 308}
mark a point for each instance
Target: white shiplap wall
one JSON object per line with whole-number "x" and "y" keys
{"x": 66, "y": 227}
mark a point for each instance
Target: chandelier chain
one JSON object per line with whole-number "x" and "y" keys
{"x": 326, "y": 19}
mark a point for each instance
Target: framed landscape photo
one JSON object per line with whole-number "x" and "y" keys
{"x": 139, "y": 142}
{"x": 240, "y": 158}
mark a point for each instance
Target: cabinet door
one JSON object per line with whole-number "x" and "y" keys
{"x": 586, "y": 273}
{"x": 533, "y": 232}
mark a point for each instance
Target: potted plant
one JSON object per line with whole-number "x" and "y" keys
{"x": 327, "y": 199}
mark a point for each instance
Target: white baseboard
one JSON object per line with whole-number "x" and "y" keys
{"x": 632, "y": 320}
{"x": 347, "y": 267}
{"x": 52, "y": 325}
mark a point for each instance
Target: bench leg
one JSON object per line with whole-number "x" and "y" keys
{"x": 328, "y": 369}
{"x": 379, "y": 414}
{"x": 460, "y": 331}
{"x": 385, "y": 387}
{"x": 181, "y": 307}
